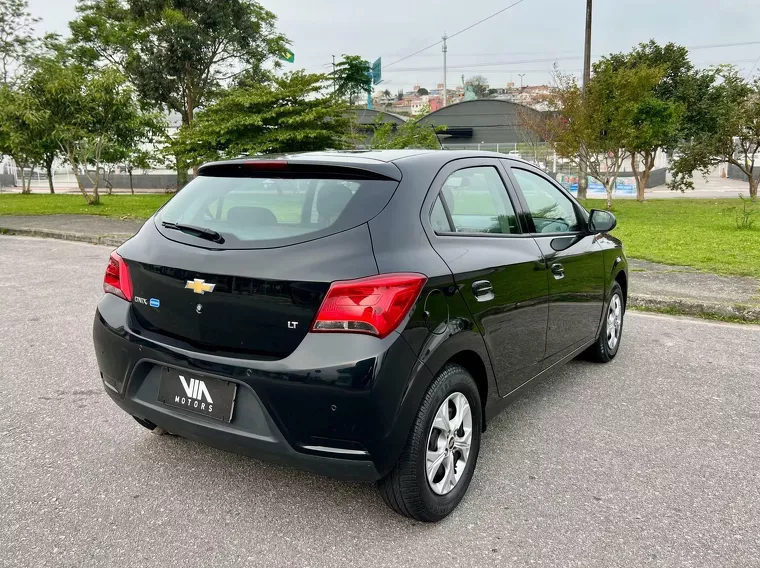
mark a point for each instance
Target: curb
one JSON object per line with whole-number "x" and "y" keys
{"x": 108, "y": 240}
{"x": 741, "y": 312}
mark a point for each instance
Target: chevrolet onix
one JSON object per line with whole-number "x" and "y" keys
{"x": 358, "y": 315}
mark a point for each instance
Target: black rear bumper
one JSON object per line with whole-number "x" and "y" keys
{"x": 333, "y": 411}
{"x": 265, "y": 442}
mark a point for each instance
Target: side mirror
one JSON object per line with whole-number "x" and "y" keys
{"x": 601, "y": 221}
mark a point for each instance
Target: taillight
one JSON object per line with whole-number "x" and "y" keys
{"x": 117, "y": 280}
{"x": 374, "y": 305}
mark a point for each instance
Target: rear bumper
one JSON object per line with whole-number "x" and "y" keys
{"x": 260, "y": 439}
{"x": 329, "y": 409}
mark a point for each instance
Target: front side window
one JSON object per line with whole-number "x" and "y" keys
{"x": 478, "y": 202}
{"x": 552, "y": 210}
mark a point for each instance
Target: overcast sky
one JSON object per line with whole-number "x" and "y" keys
{"x": 525, "y": 39}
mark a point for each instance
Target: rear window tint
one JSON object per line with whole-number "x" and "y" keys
{"x": 264, "y": 212}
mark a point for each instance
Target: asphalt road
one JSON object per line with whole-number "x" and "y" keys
{"x": 652, "y": 460}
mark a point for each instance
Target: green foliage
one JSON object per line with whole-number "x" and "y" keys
{"x": 730, "y": 133}
{"x": 746, "y": 214}
{"x": 597, "y": 127}
{"x": 411, "y": 134}
{"x": 177, "y": 53}
{"x": 17, "y": 41}
{"x": 92, "y": 114}
{"x": 673, "y": 110}
{"x": 422, "y": 91}
{"x": 352, "y": 77}
{"x": 291, "y": 113}
{"x": 22, "y": 128}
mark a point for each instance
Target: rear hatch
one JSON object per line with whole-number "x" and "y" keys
{"x": 249, "y": 253}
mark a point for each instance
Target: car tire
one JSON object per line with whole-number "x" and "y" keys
{"x": 605, "y": 349}
{"x": 407, "y": 489}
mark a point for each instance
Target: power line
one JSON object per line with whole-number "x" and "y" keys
{"x": 486, "y": 19}
{"x": 457, "y": 33}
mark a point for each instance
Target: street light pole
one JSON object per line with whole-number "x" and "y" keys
{"x": 583, "y": 175}
{"x": 521, "y": 75}
{"x": 445, "y": 49}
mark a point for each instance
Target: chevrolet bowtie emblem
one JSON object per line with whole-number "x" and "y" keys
{"x": 200, "y": 286}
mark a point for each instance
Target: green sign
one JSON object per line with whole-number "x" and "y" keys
{"x": 377, "y": 74}
{"x": 288, "y": 56}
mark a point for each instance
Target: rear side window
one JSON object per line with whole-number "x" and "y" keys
{"x": 265, "y": 212}
{"x": 478, "y": 202}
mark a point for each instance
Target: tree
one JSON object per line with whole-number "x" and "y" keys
{"x": 292, "y": 113}
{"x": 479, "y": 86}
{"x": 422, "y": 91}
{"x": 673, "y": 111}
{"x": 537, "y": 129}
{"x": 411, "y": 134}
{"x": 22, "y": 125}
{"x": 138, "y": 159}
{"x": 387, "y": 94}
{"x": 352, "y": 77}
{"x": 178, "y": 53}
{"x": 17, "y": 39}
{"x": 731, "y": 133}
{"x": 598, "y": 126}
{"x": 92, "y": 114}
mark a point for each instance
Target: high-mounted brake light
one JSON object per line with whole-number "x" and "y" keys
{"x": 374, "y": 305}
{"x": 266, "y": 164}
{"x": 117, "y": 280}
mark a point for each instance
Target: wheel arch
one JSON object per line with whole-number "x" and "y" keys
{"x": 622, "y": 279}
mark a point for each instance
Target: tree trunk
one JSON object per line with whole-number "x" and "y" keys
{"x": 29, "y": 182}
{"x": 639, "y": 177}
{"x": 190, "y": 118}
{"x": 609, "y": 188}
{"x": 583, "y": 173}
{"x": 49, "y": 172}
{"x": 131, "y": 185}
{"x": 753, "y": 183}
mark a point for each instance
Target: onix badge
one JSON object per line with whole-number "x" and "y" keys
{"x": 200, "y": 286}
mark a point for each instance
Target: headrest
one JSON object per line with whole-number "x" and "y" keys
{"x": 251, "y": 216}
{"x": 332, "y": 199}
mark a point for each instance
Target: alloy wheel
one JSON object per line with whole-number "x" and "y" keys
{"x": 449, "y": 441}
{"x": 614, "y": 321}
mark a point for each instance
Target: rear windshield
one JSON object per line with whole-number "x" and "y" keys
{"x": 265, "y": 212}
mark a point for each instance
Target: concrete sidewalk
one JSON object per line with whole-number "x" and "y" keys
{"x": 85, "y": 228}
{"x": 652, "y": 286}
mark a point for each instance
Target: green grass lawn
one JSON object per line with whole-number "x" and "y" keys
{"x": 119, "y": 206}
{"x": 700, "y": 233}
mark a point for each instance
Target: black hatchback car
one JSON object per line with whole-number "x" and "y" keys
{"x": 359, "y": 315}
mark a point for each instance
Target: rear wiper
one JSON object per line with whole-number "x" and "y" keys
{"x": 200, "y": 232}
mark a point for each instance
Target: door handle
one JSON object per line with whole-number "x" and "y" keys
{"x": 483, "y": 290}
{"x": 558, "y": 271}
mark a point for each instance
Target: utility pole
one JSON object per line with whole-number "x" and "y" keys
{"x": 583, "y": 177}
{"x": 333, "y": 73}
{"x": 444, "y": 49}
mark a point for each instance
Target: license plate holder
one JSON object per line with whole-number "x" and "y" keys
{"x": 197, "y": 393}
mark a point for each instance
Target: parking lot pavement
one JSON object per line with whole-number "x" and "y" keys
{"x": 653, "y": 460}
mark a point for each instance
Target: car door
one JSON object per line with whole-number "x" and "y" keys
{"x": 574, "y": 261}
{"x": 498, "y": 267}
